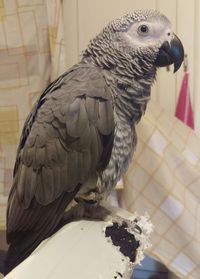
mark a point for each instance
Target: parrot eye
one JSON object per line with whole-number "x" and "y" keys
{"x": 143, "y": 29}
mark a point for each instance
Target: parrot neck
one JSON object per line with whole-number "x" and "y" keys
{"x": 130, "y": 96}
{"x": 129, "y": 76}
{"x": 102, "y": 53}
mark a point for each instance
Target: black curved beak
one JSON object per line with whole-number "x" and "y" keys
{"x": 171, "y": 53}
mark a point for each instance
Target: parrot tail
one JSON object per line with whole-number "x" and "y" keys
{"x": 20, "y": 248}
{"x": 23, "y": 243}
{"x": 3, "y": 254}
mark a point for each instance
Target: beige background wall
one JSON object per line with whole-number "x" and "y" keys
{"x": 85, "y": 18}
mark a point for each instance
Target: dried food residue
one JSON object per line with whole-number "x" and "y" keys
{"x": 123, "y": 239}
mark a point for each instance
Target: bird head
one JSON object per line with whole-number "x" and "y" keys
{"x": 144, "y": 38}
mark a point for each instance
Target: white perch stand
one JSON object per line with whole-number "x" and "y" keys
{"x": 81, "y": 250}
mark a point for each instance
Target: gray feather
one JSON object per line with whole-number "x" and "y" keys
{"x": 92, "y": 107}
{"x": 78, "y": 120}
{"x": 105, "y": 121}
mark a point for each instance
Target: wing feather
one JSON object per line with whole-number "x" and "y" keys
{"x": 61, "y": 148}
{"x": 92, "y": 107}
{"x": 105, "y": 117}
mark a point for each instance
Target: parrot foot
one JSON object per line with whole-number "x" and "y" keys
{"x": 84, "y": 209}
{"x": 96, "y": 212}
{"x": 90, "y": 204}
{"x": 91, "y": 197}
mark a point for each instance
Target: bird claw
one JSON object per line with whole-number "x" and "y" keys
{"x": 89, "y": 198}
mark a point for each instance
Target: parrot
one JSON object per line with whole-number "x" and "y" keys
{"x": 80, "y": 136}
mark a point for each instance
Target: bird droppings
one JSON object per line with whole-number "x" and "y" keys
{"x": 122, "y": 238}
{"x": 119, "y": 275}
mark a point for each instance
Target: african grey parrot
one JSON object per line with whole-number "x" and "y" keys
{"x": 80, "y": 136}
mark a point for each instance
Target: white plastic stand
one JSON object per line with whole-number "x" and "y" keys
{"x": 79, "y": 250}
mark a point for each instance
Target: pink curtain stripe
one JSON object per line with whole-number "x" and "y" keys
{"x": 184, "y": 110}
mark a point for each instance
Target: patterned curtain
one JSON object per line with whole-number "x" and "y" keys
{"x": 164, "y": 182}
